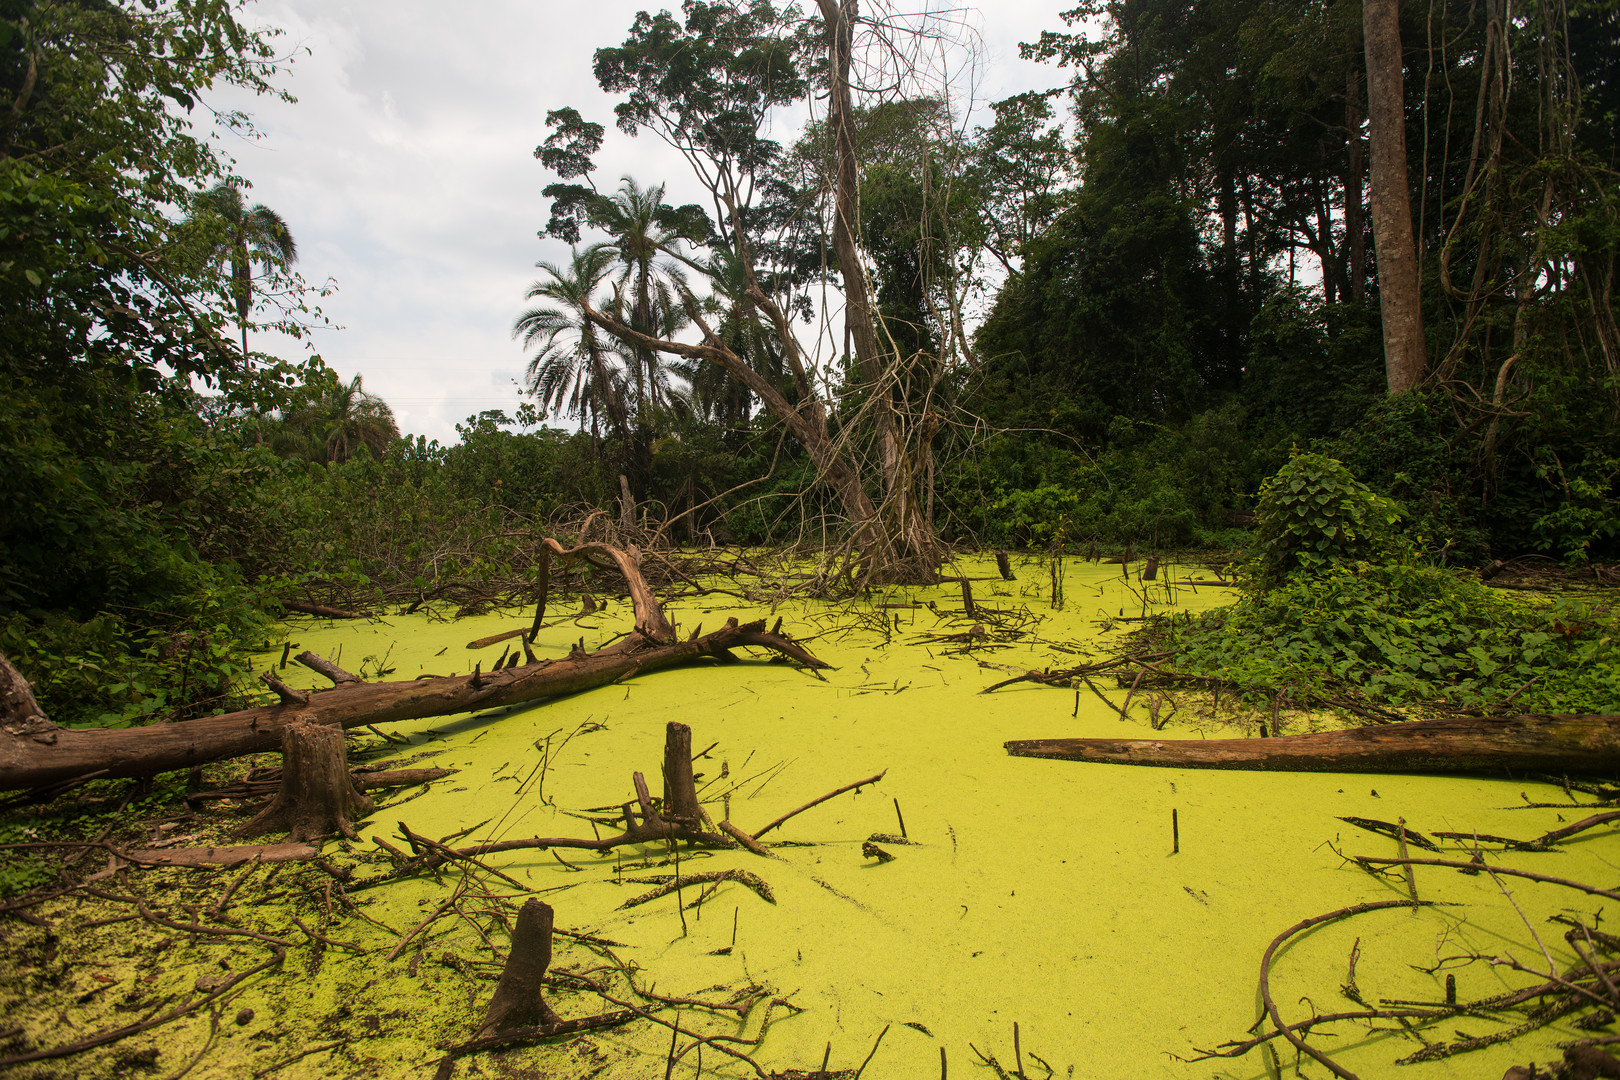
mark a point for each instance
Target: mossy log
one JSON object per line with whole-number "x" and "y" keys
{"x": 1532, "y": 742}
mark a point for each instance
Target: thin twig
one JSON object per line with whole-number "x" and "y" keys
{"x": 857, "y": 785}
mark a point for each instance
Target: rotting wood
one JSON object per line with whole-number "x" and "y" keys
{"x": 746, "y": 840}
{"x": 365, "y": 781}
{"x": 226, "y": 858}
{"x": 20, "y": 714}
{"x": 36, "y": 753}
{"x": 305, "y": 608}
{"x": 664, "y": 884}
{"x": 518, "y": 1001}
{"x": 856, "y": 786}
{"x": 1531, "y": 742}
{"x": 222, "y": 857}
{"x": 287, "y": 694}
{"x": 326, "y": 667}
{"x": 650, "y": 621}
{"x": 680, "y": 794}
{"x": 495, "y": 639}
{"x": 680, "y": 785}
{"x": 654, "y": 826}
{"x": 317, "y": 796}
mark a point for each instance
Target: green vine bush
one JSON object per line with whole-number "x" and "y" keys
{"x": 1407, "y": 635}
{"x": 1337, "y": 609}
{"x": 1313, "y": 515}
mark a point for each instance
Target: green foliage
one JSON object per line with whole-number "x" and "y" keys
{"x": 22, "y": 870}
{"x": 1115, "y": 311}
{"x": 119, "y": 668}
{"x": 1407, "y": 634}
{"x": 119, "y": 596}
{"x": 1147, "y": 486}
{"x": 1589, "y": 514}
{"x": 125, "y": 512}
{"x": 1314, "y": 369}
{"x": 1404, "y": 448}
{"x": 1314, "y": 515}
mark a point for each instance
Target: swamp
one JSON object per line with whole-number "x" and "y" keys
{"x": 1115, "y": 581}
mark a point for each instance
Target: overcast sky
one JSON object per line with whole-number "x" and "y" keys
{"x": 406, "y": 173}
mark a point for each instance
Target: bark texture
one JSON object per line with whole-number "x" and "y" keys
{"x": 318, "y": 797}
{"x": 20, "y": 714}
{"x": 1399, "y": 299}
{"x": 1534, "y": 742}
{"x": 680, "y": 786}
{"x": 518, "y": 1001}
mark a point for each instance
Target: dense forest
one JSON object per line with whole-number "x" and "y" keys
{"x": 1103, "y": 317}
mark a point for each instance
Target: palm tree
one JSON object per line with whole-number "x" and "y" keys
{"x": 716, "y": 393}
{"x": 643, "y": 225}
{"x": 575, "y": 370}
{"x": 246, "y": 235}
{"x": 345, "y": 418}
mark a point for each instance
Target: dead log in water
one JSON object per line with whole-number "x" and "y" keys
{"x": 39, "y": 753}
{"x": 306, "y": 608}
{"x": 34, "y": 752}
{"x": 1533, "y": 742}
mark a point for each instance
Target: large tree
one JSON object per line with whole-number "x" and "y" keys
{"x": 707, "y": 86}
{"x": 1399, "y": 292}
{"x": 575, "y": 370}
{"x": 121, "y": 507}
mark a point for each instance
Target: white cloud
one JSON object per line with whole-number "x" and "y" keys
{"x": 406, "y": 173}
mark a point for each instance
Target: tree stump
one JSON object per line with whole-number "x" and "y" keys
{"x": 518, "y": 1002}
{"x": 680, "y": 786}
{"x": 318, "y": 797}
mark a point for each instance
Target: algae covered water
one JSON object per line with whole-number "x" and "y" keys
{"x": 1056, "y": 896}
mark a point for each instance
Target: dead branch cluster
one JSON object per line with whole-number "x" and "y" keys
{"x": 314, "y": 794}
{"x": 1583, "y": 988}
{"x": 698, "y": 565}
{"x": 507, "y": 927}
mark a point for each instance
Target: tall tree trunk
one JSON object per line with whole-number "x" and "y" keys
{"x": 1405, "y": 354}
{"x": 1324, "y": 242}
{"x": 910, "y": 537}
{"x": 1355, "y": 226}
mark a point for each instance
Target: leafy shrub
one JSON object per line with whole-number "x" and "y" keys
{"x": 113, "y": 669}
{"x": 1405, "y": 634}
{"x": 1313, "y": 515}
{"x": 1407, "y": 447}
{"x": 1589, "y": 513}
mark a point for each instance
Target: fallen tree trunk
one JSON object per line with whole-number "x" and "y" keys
{"x": 306, "y": 608}
{"x": 35, "y": 752}
{"x": 224, "y": 857}
{"x": 1587, "y": 744}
